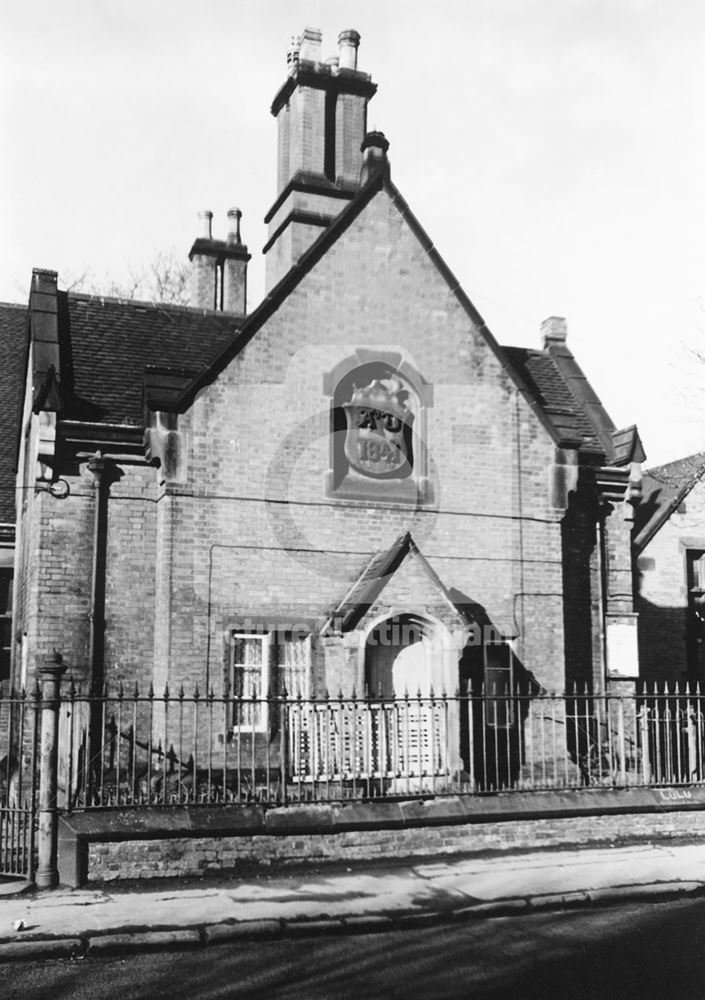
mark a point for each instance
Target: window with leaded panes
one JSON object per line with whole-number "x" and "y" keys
{"x": 264, "y": 665}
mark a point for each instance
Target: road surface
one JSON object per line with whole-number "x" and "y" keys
{"x": 653, "y": 950}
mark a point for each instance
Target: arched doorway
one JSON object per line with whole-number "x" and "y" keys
{"x": 399, "y": 658}
{"x": 406, "y": 662}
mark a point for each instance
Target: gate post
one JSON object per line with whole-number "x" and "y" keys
{"x": 50, "y": 674}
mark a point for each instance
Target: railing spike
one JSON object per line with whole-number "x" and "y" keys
{"x": 166, "y": 691}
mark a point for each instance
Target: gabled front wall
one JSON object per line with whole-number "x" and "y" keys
{"x": 246, "y": 529}
{"x": 269, "y": 543}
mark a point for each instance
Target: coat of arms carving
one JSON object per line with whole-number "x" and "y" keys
{"x": 378, "y": 433}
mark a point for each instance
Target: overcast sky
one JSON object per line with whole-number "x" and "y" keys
{"x": 552, "y": 149}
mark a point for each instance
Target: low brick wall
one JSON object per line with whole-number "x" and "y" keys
{"x": 197, "y": 856}
{"x": 103, "y": 845}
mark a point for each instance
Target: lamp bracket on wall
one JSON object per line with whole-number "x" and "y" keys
{"x": 59, "y": 489}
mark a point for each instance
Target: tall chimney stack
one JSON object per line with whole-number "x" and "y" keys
{"x": 321, "y": 113}
{"x": 219, "y": 267}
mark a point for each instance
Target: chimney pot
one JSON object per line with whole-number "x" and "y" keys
{"x": 206, "y": 219}
{"x": 310, "y": 45}
{"x": 374, "y": 156}
{"x": 332, "y": 63}
{"x": 554, "y": 330}
{"x": 348, "y": 43}
{"x": 234, "y": 216}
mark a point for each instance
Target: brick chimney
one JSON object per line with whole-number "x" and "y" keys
{"x": 219, "y": 267}
{"x": 321, "y": 113}
{"x": 554, "y": 330}
{"x": 43, "y": 308}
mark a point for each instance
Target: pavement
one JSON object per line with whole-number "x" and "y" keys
{"x": 111, "y": 919}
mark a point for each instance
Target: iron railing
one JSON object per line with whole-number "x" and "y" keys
{"x": 135, "y": 749}
{"x": 18, "y": 781}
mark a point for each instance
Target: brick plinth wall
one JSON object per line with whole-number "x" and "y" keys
{"x": 187, "y": 856}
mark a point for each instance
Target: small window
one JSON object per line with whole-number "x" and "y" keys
{"x": 696, "y": 571}
{"x": 499, "y": 684}
{"x": 250, "y": 679}
{"x": 264, "y": 665}
{"x": 293, "y": 661}
{"x": 695, "y": 634}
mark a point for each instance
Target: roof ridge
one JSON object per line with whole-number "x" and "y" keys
{"x": 691, "y": 476}
{"x": 147, "y": 304}
{"x": 676, "y": 461}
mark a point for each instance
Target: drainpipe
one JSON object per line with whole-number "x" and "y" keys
{"x": 102, "y": 479}
{"x": 96, "y": 638}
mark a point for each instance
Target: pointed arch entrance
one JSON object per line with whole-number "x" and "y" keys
{"x": 399, "y": 657}
{"x": 408, "y": 658}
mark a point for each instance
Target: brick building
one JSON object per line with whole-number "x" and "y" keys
{"x": 13, "y": 327}
{"x": 350, "y": 487}
{"x": 669, "y": 548}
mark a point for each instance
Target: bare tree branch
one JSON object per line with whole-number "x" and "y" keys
{"x": 165, "y": 280}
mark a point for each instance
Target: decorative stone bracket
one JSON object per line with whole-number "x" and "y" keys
{"x": 164, "y": 444}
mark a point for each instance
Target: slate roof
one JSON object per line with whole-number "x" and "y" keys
{"x": 13, "y": 333}
{"x": 544, "y": 379}
{"x": 375, "y": 577}
{"x": 371, "y": 582}
{"x": 106, "y": 344}
{"x": 664, "y": 488}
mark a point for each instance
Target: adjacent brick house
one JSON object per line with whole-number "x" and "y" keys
{"x": 13, "y": 324}
{"x": 351, "y": 487}
{"x": 669, "y": 548}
